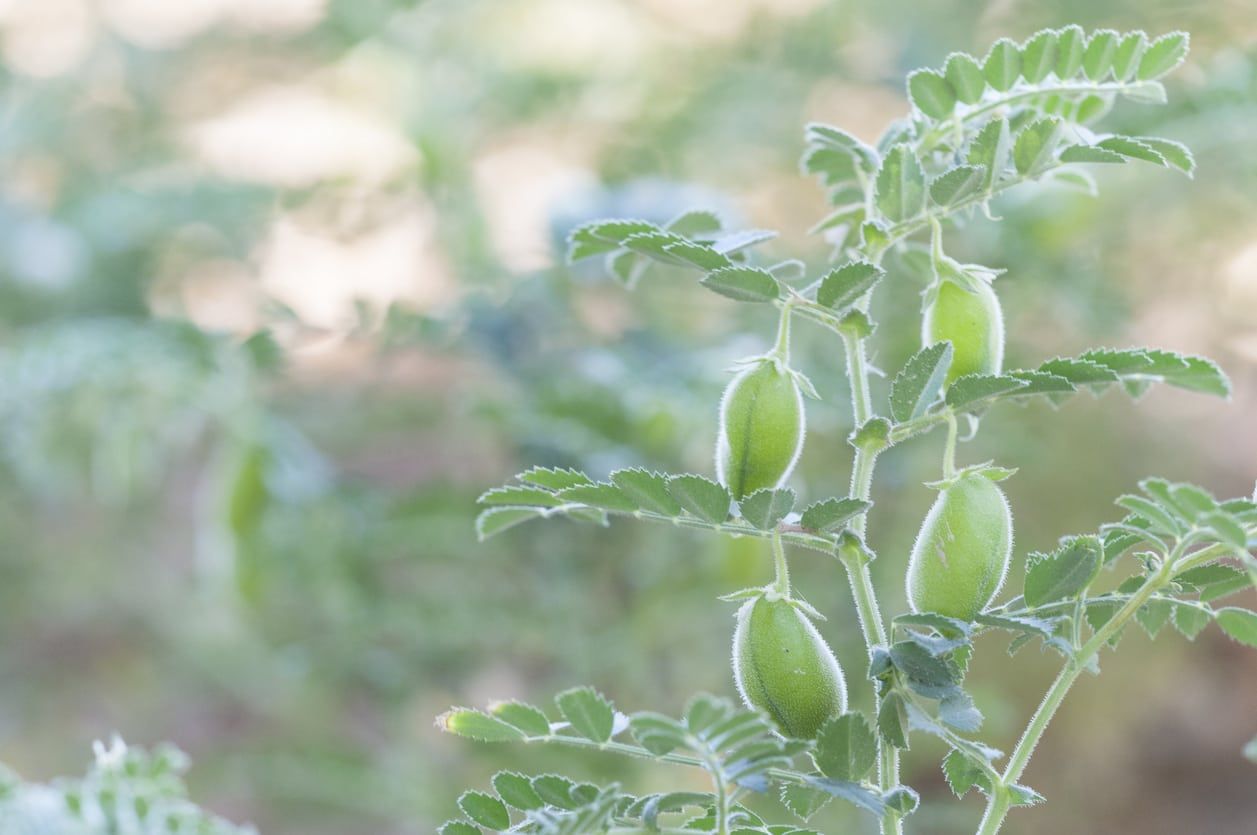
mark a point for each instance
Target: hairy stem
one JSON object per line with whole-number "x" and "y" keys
{"x": 865, "y": 459}
{"x": 782, "y": 349}
{"x": 949, "y": 450}
{"x": 1000, "y": 800}
{"x": 858, "y": 375}
{"x": 782, "y": 581}
{"x": 722, "y": 796}
{"x": 857, "y": 567}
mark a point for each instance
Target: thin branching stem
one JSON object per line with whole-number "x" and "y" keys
{"x": 782, "y": 580}
{"x": 781, "y": 351}
{"x": 949, "y": 449}
{"x": 1001, "y": 799}
{"x": 862, "y": 590}
{"x": 721, "y": 787}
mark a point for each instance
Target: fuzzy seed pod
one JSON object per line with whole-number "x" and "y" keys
{"x": 973, "y": 321}
{"x": 761, "y": 429}
{"x": 962, "y": 551}
{"x": 783, "y": 666}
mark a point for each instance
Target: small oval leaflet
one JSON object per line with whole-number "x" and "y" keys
{"x": 743, "y": 284}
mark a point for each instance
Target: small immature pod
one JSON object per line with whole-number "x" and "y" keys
{"x": 761, "y": 429}
{"x": 783, "y": 666}
{"x": 962, "y": 551}
{"x": 969, "y": 316}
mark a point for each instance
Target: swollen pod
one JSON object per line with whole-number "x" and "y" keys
{"x": 962, "y": 551}
{"x": 971, "y": 318}
{"x": 783, "y": 666}
{"x": 761, "y": 429}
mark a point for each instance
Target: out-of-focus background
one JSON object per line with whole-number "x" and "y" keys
{"x": 280, "y": 296}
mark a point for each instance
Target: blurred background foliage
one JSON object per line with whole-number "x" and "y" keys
{"x": 280, "y": 296}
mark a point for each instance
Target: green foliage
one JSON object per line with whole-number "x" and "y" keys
{"x": 1240, "y": 624}
{"x": 737, "y": 746}
{"x": 900, "y": 193}
{"x": 689, "y": 500}
{"x": 166, "y": 383}
{"x": 917, "y": 385}
{"x": 743, "y": 284}
{"x": 190, "y": 574}
{"x": 1023, "y": 113}
{"x": 127, "y": 791}
{"x": 846, "y": 748}
{"x": 1064, "y": 573}
{"x": 846, "y": 285}
{"x": 765, "y": 508}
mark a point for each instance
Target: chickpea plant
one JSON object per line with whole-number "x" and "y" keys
{"x": 1026, "y": 112}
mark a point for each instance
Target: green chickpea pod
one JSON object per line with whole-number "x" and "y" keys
{"x": 761, "y": 428}
{"x": 783, "y": 667}
{"x": 968, "y": 315}
{"x": 962, "y": 551}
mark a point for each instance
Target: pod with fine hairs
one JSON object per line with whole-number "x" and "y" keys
{"x": 962, "y": 551}
{"x": 761, "y": 428}
{"x": 783, "y": 667}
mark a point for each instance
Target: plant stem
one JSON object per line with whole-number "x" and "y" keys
{"x": 998, "y": 805}
{"x": 722, "y": 796}
{"x": 949, "y": 451}
{"x": 858, "y": 375}
{"x": 782, "y": 581}
{"x": 781, "y": 351}
{"x": 862, "y": 590}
